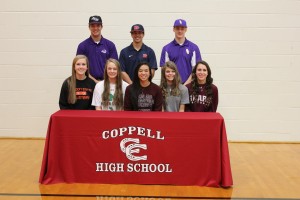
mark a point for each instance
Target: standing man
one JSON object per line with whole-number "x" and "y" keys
{"x": 184, "y": 53}
{"x": 97, "y": 49}
{"x": 135, "y": 53}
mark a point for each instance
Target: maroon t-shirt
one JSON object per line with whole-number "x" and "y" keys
{"x": 149, "y": 99}
{"x": 201, "y": 103}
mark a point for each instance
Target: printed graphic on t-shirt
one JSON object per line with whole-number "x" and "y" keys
{"x": 145, "y": 102}
{"x": 110, "y": 106}
{"x": 110, "y": 103}
{"x": 83, "y": 93}
{"x": 200, "y": 99}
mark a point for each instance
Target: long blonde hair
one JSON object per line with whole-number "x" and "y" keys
{"x": 118, "y": 96}
{"x": 72, "y": 78}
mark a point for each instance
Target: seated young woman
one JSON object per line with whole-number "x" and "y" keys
{"x": 203, "y": 93}
{"x": 175, "y": 95}
{"x": 142, "y": 94}
{"x": 109, "y": 93}
{"x": 77, "y": 90}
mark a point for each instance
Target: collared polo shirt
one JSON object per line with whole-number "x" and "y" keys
{"x": 130, "y": 57}
{"x": 185, "y": 57}
{"x": 97, "y": 54}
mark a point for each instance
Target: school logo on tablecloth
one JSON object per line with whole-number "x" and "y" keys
{"x": 134, "y": 150}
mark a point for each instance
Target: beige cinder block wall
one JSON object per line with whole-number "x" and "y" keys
{"x": 252, "y": 47}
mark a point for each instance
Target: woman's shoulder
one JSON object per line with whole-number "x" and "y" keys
{"x": 100, "y": 84}
{"x": 67, "y": 80}
{"x": 182, "y": 87}
{"x": 129, "y": 86}
{"x": 188, "y": 85}
{"x": 214, "y": 86}
{"x": 90, "y": 81}
{"x": 153, "y": 85}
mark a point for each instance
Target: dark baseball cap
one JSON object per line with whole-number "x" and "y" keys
{"x": 95, "y": 20}
{"x": 137, "y": 27}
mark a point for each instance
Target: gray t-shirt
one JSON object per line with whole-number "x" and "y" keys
{"x": 173, "y": 102}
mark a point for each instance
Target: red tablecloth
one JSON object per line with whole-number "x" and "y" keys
{"x": 136, "y": 148}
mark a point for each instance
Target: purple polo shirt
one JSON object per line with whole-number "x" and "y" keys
{"x": 97, "y": 54}
{"x": 185, "y": 57}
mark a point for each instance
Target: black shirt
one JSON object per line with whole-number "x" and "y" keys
{"x": 84, "y": 95}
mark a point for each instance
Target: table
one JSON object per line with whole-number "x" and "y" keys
{"x": 126, "y": 147}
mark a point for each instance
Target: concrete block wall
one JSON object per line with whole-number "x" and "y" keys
{"x": 252, "y": 46}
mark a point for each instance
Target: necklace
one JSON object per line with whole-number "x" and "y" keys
{"x": 201, "y": 88}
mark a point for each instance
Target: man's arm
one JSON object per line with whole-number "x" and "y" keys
{"x": 91, "y": 77}
{"x": 126, "y": 78}
{"x": 113, "y": 52}
{"x": 80, "y": 50}
{"x": 152, "y": 61}
{"x": 164, "y": 57}
{"x": 152, "y": 72}
{"x": 188, "y": 80}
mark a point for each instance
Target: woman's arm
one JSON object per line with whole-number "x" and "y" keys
{"x": 127, "y": 101}
{"x": 181, "y": 108}
{"x": 63, "y": 97}
{"x": 98, "y": 107}
{"x": 215, "y": 100}
{"x": 158, "y": 101}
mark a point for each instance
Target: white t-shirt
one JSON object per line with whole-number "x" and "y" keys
{"x": 97, "y": 96}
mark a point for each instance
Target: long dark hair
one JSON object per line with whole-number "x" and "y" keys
{"x": 136, "y": 86}
{"x": 208, "y": 87}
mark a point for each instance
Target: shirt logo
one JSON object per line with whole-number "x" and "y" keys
{"x": 81, "y": 93}
{"x": 94, "y": 19}
{"x": 145, "y": 55}
{"x": 133, "y": 148}
{"x": 104, "y": 51}
{"x": 136, "y": 28}
{"x": 187, "y": 51}
{"x": 130, "y": 56}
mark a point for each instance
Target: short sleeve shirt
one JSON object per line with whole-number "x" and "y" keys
{"x": 185, "y": 57}
{"x": 97, "y": 54}
{"x": 173, "y": 102}
{"x": 97, "y": 97}
{"x": 130, "y": 57}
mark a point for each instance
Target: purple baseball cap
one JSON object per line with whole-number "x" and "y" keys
{"x": 180, "y": 22}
